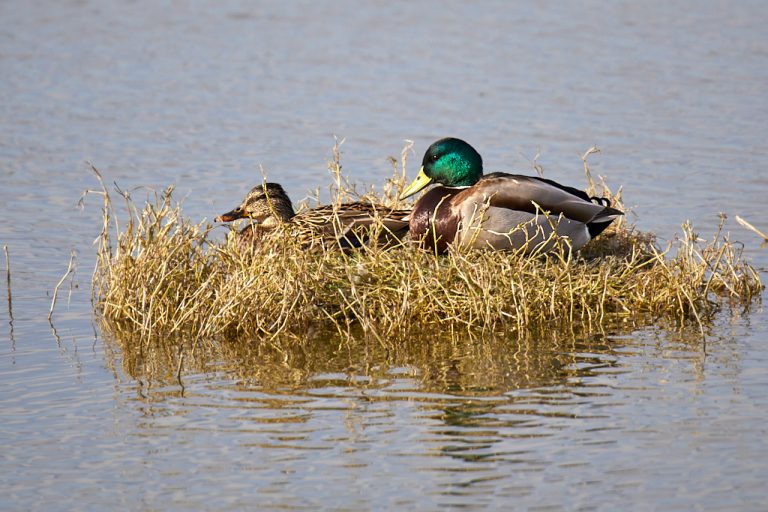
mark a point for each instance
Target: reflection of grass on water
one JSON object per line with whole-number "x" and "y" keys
{"x": 459, "y": 364}
{"x": 164, "y": 279}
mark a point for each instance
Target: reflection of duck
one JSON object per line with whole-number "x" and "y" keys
{"x": 497, "y": 211}
{"x": 269, "y": 207}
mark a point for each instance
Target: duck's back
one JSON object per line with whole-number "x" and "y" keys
{"x": 508, "y": 211}
{"x": 349, "y": 224}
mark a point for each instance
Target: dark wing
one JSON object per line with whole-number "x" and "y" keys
{"x": 523, "y": 193}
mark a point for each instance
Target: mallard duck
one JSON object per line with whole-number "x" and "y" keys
{"x": 343, "y": 225}
{"x": 498, "y": 211}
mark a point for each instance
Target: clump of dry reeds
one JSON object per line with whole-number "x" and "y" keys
{"x": 163, "y": 277}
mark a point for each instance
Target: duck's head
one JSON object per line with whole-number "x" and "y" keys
{"x": 266, "y": 204}
{"x": 450, "y": 162}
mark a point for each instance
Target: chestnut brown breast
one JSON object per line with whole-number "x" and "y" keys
{"x": 433, "y": 219}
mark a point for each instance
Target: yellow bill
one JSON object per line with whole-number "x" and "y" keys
{"x": 421, "y": 181}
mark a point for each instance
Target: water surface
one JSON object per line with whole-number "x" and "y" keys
{"x": 204, "y": 96}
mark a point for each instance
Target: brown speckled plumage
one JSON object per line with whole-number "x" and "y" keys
{"x": 343, "y": 225}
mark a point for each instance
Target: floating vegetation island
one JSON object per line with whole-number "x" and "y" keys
{"x": 160, "y": 275}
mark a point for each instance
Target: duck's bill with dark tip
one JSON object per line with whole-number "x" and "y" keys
{"x": 237, "y": 213}
{"x": 421, "y": 181}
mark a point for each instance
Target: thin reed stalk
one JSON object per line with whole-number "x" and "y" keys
{"x": 70, "y": 269}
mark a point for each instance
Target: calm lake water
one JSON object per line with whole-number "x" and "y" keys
{"x": 201, "y": 95}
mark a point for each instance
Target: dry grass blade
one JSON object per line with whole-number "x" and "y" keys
{"x": 70, "y": 269}
{"x": 8, "y": 289}
{"x": 8, "y": 276}
{"x": 752, "y": 228}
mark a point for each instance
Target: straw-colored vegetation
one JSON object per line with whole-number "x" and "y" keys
{"x": 458, "y": 363}
{"x": 161, "y": 276}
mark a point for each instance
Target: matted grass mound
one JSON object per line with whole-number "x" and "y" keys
{"x": 164, "y": 277}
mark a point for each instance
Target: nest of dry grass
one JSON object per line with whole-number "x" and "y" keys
{"x": 164, "y": 277}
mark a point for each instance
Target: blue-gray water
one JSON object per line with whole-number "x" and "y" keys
{"x": 202, "y": 94}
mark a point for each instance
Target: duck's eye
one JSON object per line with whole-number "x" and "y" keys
{"x": 435, "y": 158}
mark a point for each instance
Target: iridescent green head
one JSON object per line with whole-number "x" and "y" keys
{"x": 450, "y": 162}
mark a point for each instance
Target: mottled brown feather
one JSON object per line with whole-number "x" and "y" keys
{"x": 343, "y": 225}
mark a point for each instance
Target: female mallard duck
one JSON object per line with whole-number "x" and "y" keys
{"x": 497, "y": 211}
{"x": 345, "y": 225}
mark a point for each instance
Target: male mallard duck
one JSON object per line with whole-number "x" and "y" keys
{"x": 269, "y": 207}
{"x": 498, "y": 211}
